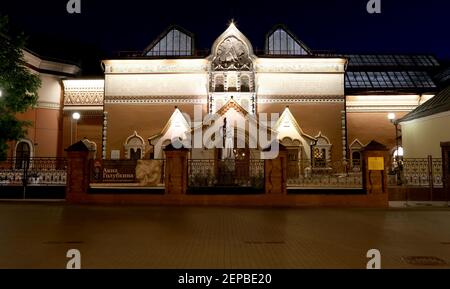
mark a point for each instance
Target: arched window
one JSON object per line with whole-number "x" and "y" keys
{"x": 219, "y": 83}
{"x": 356, "y": 159}
{"x": 320, "y": 157}
{"x": 134, "y": 147}
{"x": 245, "y": 83}
{"x": 321, "y": 152}
{"x": 23, "y": 154}
{"x": 355, "y": 155}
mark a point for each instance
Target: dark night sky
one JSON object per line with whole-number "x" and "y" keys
{"x": 105, "y": 27}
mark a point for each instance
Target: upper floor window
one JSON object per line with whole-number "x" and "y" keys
{"x": 282, "y": 42}
{"x": 219, "y": 83}
{"x": 245, "y": 83}
{"x": 174, "y": 42}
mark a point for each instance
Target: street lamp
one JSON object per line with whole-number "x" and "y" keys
{"x": 392, "y": 118}
{"x": 75, "y": 117}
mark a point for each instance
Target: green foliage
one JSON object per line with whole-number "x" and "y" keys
{"x": 18, "y": 85}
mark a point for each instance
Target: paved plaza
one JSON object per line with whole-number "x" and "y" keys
{"x": 38, "y": 235}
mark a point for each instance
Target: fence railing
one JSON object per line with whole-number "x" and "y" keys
{"x": 33, "y": 171}
{"x": 230, "y": 173}
{"x": 325, "y": 174}
{"x": 418, "y": 172}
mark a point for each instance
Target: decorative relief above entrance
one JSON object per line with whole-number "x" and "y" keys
{"x": 232, "y": 54}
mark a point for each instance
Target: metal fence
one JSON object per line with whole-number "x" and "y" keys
{"x": 33, "y": 171}
{"x": 418, "y": 172}
{"x": 325, "y": 174}
{"x": 225, "y": 173}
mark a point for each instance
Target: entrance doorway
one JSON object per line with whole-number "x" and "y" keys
{"x": 23, "y": 155}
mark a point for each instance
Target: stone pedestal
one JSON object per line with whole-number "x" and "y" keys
{"x": 176, "y": 170}
{"x": 374, "y": 164}
{"x": 78, "y": 156}
{"x": 275, "y": 173}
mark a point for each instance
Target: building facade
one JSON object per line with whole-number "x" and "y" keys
{"x": 329, "y": 105}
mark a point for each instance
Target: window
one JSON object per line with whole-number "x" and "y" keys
{"x": 218, "y": 84}
{"x": 321, "y": 151}
{"x": 23, "y": 155}
{"x": 356, "y": 159}
{"x": 135, "y": 154}
{"x": 134, "y": 147}
{"x": 281, "y": 42}
{"x": 173, "y": 43}
{"x": 319, "y": 155}
{"x": 245, "y": 83}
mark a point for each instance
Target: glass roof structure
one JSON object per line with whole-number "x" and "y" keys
{"x": 282, "y": 42}
{"x": 175, "y": 41}
{"x": 388, "y": 80}
{"x": 381, "y": 60}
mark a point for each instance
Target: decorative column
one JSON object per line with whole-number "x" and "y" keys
{"x": 176, "y": 170}
{"x": 374, "y": 164}
{"x": 275, "y": 173}
{"x": 78, "y": 156}
{"x": 344, "y": 136}
{"x": 105, "y": 128}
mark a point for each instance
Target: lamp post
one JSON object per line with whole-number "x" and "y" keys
{"x": 75, "y": 117}
{"x": 393, "y": 120}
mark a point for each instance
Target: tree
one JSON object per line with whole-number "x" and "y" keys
{"x": 18, "y": 86}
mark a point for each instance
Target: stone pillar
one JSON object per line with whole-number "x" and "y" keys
{"x": 275, "y": 173}
{"x": 374, "y": 163}
{"x": 78, "y": 156}
{"x": 176, "y": 170}
{"x": 445, "y": 146}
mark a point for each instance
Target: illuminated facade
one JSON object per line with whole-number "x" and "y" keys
{"x": 329, "y": 105}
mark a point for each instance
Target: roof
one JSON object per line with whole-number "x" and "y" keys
{"x": 79, "y": 146}
{"x": 302, "y": 49}
{"x": 443, "y": 77}
{"x": 439, "y": 103}
{"x": 389, "y": 80}
{"x": 390, "y": 72}
{"x": 156, "y": 42}
{"x": 395, "y": 61}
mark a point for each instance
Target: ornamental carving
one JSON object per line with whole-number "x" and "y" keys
{"x": 232, "y": 54}
{"x": 83, "y": 97}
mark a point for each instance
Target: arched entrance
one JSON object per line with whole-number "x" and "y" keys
{"x": 22, "y": 154}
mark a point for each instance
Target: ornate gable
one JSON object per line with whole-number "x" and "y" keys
{"x": 232, "y": 51}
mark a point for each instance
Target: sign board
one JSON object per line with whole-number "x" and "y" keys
{"x": 114, "y": 171}
{"x": 376, "y": 163}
